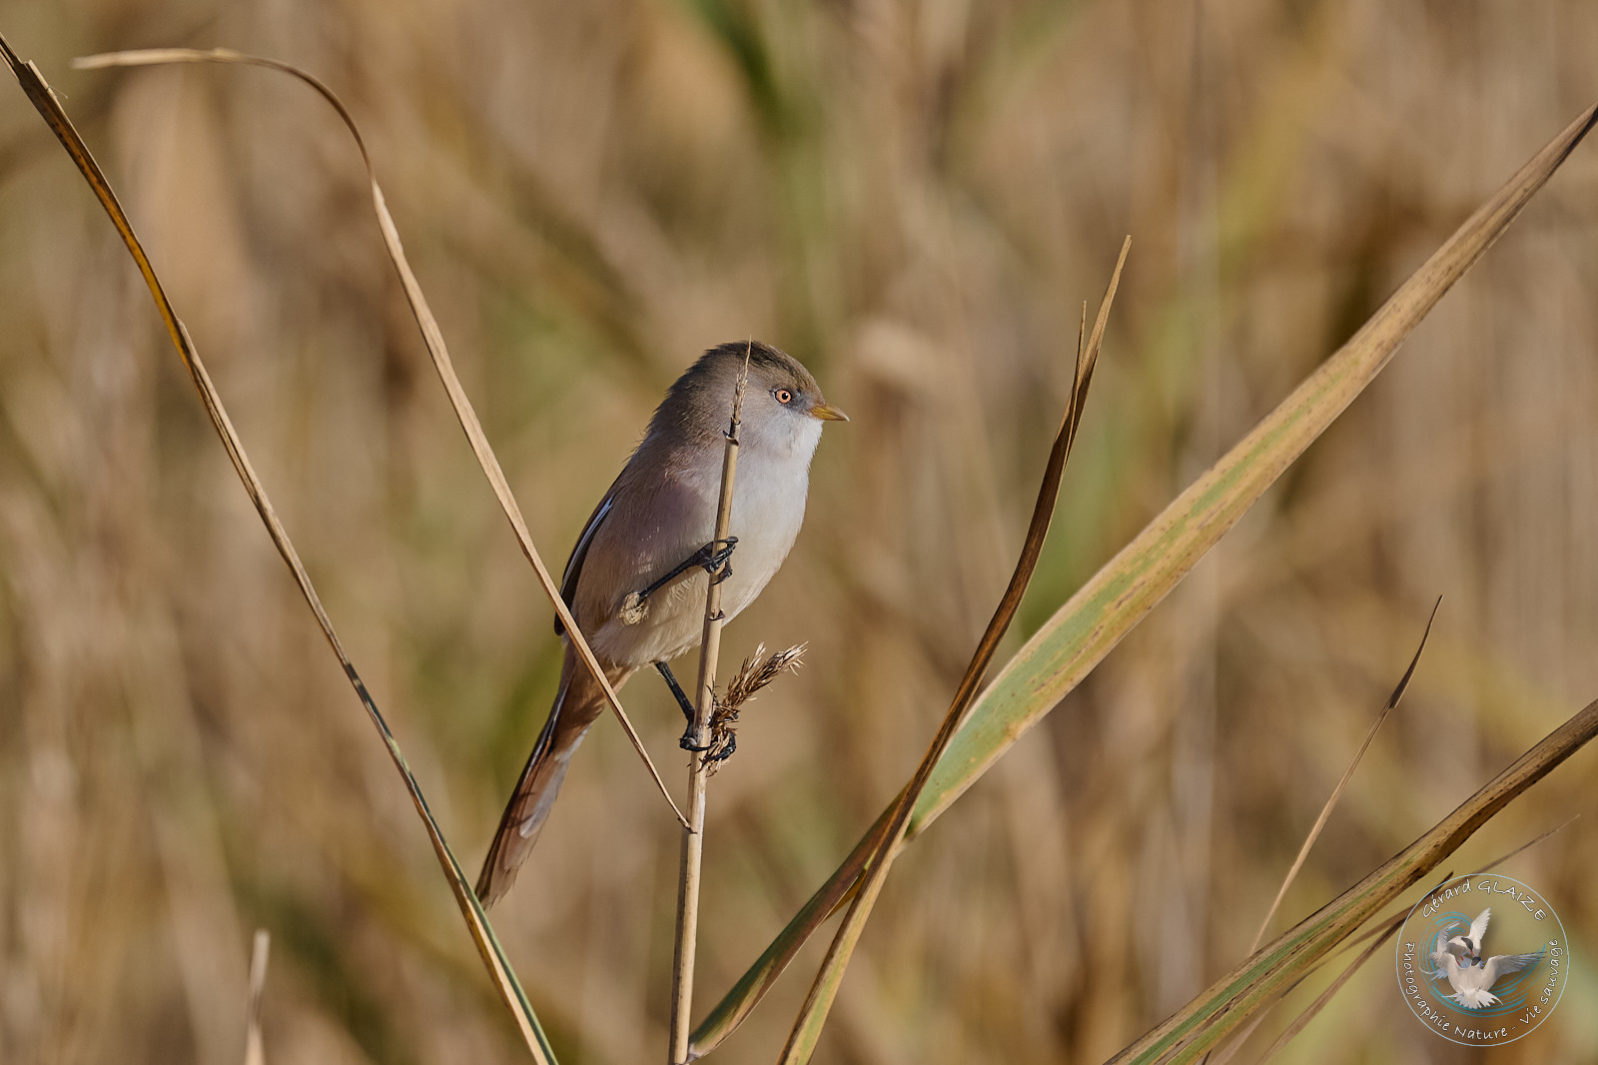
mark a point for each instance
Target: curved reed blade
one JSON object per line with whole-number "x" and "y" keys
{"x": 44, "y": 99}
{"x": 433, "y": 337}
{"x": 1097, "y": 617}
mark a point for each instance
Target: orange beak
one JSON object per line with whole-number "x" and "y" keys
{"x": 828, "y": 413}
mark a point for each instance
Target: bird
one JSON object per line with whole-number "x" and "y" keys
{"x": 1458, "y": 960}
{"x": 637, "y": 578}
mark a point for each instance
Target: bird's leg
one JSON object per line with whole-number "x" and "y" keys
{"x": 715, "y": 558}
{"x": 687, "y": 741}
{"x": 676, "y": 691}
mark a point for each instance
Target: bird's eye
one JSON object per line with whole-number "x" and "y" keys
{"x": 783, "y": 395}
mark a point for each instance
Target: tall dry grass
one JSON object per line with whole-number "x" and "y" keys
{"x": 912, "y": 198}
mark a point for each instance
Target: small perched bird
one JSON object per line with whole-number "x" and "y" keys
{"x": 637, "y": 579}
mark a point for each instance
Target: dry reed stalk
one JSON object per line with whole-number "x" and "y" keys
{"x": 693, "y": 837}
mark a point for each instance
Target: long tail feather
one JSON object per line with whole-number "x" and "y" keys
{"x": 577, "y": 704}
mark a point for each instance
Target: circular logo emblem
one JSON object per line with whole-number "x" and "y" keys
{"x": 1482, "y": 960}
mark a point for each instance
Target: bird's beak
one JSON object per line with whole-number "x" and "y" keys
{"x": 828, "y": 413}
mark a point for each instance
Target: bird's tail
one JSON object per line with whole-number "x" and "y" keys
{"x": 578, "y": 702}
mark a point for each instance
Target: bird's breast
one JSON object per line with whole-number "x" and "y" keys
{"x": 768, "y": 507}
{"x": 679, "y": 517}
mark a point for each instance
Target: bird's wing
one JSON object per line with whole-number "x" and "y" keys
{"x": 1500, "y": 965}
{"x": 574, "y": 564}
{"x": 1478, "y": 927}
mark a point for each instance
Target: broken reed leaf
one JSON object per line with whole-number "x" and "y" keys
{"x": 1271, "y": 971}
{"x": 1079, "y": 635}
{"x": 438, "y": 351}
{"x": 49, "y": 107}
{"x": 823, "y": 991}
{"x": 1348, "y": 774}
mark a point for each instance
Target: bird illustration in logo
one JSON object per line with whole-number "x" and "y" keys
{"x": 1458, "y": 960}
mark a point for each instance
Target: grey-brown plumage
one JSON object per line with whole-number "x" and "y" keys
{"x": 660, "y": 510}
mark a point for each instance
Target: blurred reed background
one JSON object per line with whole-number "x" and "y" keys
{"x": 913, "y": 198}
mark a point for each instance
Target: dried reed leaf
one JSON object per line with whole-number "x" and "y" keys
{"x": 813, "y": 1016}
{"x": 1337, "y": 792}
{"x": 433, "y": 337}
{"x": 1061, "y": 653}
{"x": 49, "y": 108}
{"x": 1495, "y": 863}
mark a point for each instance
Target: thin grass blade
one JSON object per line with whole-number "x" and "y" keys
{"x": 1348, "y": 774}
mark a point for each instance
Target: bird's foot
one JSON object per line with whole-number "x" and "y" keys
{"x": 715, "y": 558}
{"x": 723, "y": 742}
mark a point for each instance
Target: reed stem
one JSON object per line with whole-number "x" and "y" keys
{"x": 693, "y": 838}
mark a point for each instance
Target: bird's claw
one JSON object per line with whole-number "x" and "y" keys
{"x": 716, "y": 558}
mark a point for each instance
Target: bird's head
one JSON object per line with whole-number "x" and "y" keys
{"x": 783, "y": 407}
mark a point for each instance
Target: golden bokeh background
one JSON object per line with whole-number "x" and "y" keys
{"x": 913, "y": 198}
